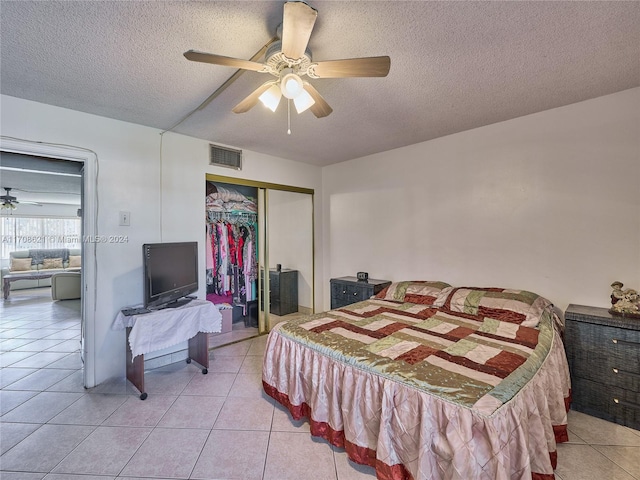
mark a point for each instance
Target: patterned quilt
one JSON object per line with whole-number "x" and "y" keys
{"x": 430, "y": 382}
{"x": 464, "y": 357}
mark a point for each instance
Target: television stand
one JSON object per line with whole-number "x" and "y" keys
{"x": 177, "y": 303}
{"x": 160, "y": 329}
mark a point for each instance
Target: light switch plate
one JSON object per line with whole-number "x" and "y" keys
{"x": 125, "y": 219}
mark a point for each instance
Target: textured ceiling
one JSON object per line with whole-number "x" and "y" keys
{"x": 454, "y": 66}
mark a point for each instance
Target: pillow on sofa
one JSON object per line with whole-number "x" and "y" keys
{"x": 75, "y": 261}
{"x": 49, "y": 263}
{"x": 422, "y": 292}
{"x": 514, "y": 306}
{"x": 20, "y": 264}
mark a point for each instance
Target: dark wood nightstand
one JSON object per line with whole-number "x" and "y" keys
{"x": 604, "y": 359}
{"x": 283, "y": 291}
{"x": 348, "y": 290}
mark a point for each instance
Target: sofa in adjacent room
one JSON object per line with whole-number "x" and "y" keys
{"x": 41, "y": 259}
{"x": 66, "y": 285}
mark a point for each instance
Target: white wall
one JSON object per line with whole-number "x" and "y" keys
{"x": 549, "y": 202}
{"x": 131, "y": 173}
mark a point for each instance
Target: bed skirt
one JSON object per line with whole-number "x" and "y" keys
{"x": 406, "y": 434}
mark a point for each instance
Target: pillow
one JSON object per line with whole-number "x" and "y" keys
{"x": 508, "y": 305}
{"x": 48, "y": 263}
{"x": 75, "y": 261}
{"x": 20, "y": 264}
{"x": 422, "y": 292}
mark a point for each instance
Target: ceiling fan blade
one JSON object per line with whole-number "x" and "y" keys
{"x": 321, "y": 108}
{"x": 250, "y": 101}
{"x": 297, "y": 24}
{"x": 351, "y": 67}
{"x": 196, "y": 56}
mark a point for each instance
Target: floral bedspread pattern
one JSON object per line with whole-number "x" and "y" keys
{"x": 422, "y": 392}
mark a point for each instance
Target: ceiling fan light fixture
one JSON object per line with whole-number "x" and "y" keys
{"x": 291, "y": 85}
{"x": 288, "y": 58}
{"x": 303, "y": 101}
{"x": 271, "y": 97}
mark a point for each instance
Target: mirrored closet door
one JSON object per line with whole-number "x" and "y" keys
{"x": 290, "y": 254}
{"x": 259, "y": 255}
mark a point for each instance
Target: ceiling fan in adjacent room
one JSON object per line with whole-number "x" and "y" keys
{"x": 289, "y": 60}
{"x": 10, "y": 202}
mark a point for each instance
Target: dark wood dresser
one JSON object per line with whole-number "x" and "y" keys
{"x": 604, "y": 359}
{"x": 348, "y": 290}
{"x": 283, "y": 291}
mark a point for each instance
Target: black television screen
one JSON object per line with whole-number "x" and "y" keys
{"x": 170, "y": 272}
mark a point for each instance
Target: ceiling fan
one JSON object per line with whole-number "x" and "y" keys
{"x": 10, "y": 202}
{"x": 289, "y": 59}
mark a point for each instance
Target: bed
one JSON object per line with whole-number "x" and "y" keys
{"x": 428, "y": 381}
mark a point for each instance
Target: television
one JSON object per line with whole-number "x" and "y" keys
{"x": 170, "y": 273}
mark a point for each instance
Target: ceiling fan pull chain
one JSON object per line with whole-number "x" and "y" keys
{"x": 288, "y": 116}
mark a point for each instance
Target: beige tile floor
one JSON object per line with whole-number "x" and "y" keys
{"x": 192, "y": 426}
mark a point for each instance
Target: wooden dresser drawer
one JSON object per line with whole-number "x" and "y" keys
{"x": 345, "y": 294}
{"x": 604, "y": 354}
{"x": 611, "y": 403}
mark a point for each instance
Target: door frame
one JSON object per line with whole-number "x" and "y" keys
{"x": 89, "y": 205}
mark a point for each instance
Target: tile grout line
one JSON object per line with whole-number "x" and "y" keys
{"x": 612, "y": 460}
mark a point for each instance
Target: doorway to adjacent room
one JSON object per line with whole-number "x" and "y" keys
{"x": 60, "y": 161}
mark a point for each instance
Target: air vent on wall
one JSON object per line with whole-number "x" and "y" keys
{"x": 225, "y": 157}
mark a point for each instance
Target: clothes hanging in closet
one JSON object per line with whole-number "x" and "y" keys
{"x": 231, "y": 262}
